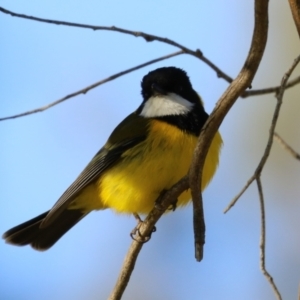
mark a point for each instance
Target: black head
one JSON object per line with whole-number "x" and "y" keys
{"x": 168, "y": 80}
{"x": 168, "y": 96}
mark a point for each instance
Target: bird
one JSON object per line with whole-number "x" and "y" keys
{"x": 145, "y": 155}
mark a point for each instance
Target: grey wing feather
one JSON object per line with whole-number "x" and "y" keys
{"x": 101, "y": 161}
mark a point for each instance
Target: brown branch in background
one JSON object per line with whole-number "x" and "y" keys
{"x": 236, "y": 88}
{"x": 270, "y": 90}
{"x": 295, "y": 9}
{"x": 257, "y": 176}
{"x": 287, "y": 147}
{"x": 148, "y": 37}
{"x": 87, "y": 89}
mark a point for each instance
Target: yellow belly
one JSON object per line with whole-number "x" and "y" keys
{"x": 146, "y": 170}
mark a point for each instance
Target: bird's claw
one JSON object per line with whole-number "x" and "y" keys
{"x": 136, "y": 234}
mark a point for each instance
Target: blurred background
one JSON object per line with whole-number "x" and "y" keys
{"x": 43, "y": 153}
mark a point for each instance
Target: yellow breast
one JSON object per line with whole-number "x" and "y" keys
{"x": 147, "y": 169}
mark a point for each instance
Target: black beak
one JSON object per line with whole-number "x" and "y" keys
{"x": 158, "y": 90}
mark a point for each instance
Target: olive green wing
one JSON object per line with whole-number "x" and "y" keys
{"x": 129, "y": 133}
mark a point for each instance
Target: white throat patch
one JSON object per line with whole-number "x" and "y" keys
{"x": 166, "y": 105}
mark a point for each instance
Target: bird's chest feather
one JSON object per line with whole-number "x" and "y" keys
{"x": 147, "y": 169}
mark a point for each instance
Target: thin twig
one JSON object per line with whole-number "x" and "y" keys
{"x": 257, "y": 176}
{"x": 286, "y": 146}
{"x": 270, "y": 90}
{"x": 235, "y": 89}
{"x": 148, "y": 37}
{"x": 94, "y": 85}
{"x": 239, "y": 195}
{"x": 295, "y": 9}
{"x": 145, "y": 230}
{"x": 262, "y": 244}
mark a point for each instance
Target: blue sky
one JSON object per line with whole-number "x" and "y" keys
{"x": 43, "y": 153}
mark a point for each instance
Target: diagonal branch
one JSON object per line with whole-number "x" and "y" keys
{"x": 148, "y": 37}
{"x": 286, "y": 146}
{"x": 94, "y": 85}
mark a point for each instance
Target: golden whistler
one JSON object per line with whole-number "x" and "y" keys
{"x": 145, "y": 155}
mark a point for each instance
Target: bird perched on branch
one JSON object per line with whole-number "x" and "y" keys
{"x": 146, "y": 154}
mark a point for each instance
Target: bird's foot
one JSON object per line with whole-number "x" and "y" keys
{"x": 136, "y": 234}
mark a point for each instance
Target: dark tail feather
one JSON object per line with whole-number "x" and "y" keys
{"x": 43, "y": 238}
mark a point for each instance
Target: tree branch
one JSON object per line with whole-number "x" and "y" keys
{"x": 148, "y": 37}
{"x": 295, "y": 9}
{"x": 94, "y": 85}
{"x": 286, "y": 146}
{"x": 236, "y": 88}
{"x": 270, "y": 90}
